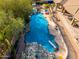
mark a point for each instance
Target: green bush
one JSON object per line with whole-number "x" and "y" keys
{"x": 13, "y": 13}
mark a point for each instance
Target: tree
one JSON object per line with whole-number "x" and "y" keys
{"x": 12, "y": 16}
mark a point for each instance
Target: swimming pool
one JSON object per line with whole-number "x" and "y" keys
{"x": 39, "y": 33}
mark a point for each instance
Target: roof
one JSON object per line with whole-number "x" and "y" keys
{"x": 70, "y": 5}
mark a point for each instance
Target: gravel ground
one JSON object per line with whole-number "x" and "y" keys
{"x": 36, "y": 51}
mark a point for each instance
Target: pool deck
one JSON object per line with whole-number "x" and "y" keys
{"x": 72, "y": 43}
{"x": 63, "y": 51}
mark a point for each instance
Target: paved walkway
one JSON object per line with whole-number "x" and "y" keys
{"x": 75, "y": 30}
{"x": 71, "y": 41}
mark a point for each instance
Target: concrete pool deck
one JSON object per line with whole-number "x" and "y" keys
{"x": 63, "y": 51}
{"x": 71, "y": 42}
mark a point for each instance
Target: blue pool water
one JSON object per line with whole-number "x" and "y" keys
{"x": 39, "y": 32}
